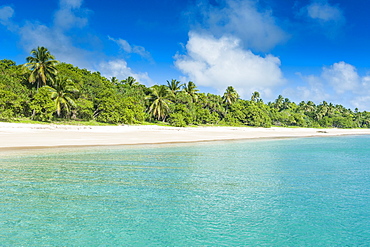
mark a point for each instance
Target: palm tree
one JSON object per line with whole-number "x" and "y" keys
{"x": 131, "y": 82}
{"x": 160, "y": 99}
{"x": 278, "y": 104}
{"x": 62, "y": 94}
{"x": 114, "y": 80}
{"x": 174, "y": 85}
{"x": 230, "y": 96}
{"x": 42, "y": 66}
{"x": 190, "y": 89}
{"x": 321, "y": 110}
{"x": 255, "y": 96}
{"x": 214, "y": 103}
{"x": 286, "y": 104}
{"x": 331, "y": 110}
{"x": 307, "y": 107}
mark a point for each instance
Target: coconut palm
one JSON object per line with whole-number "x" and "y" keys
{"x": 321, "y": 110}
{"x": 191, "y": 89}
{"x": 114, "y": 80}
{"x": 230, "y": 96}
{"x": 62, "y": 94}
{"x": 131, "y": 82}
{"x": 255, "y": 96}
{"x": 174, "y": 85}
{"x": 307, "y": 107}
{"x": 160, "y": 99}
{"x": 42, "y": 66}
{"x": 286, "y": 104}
{"x": 278, "y": 104}
{"x": 214, "y": 103}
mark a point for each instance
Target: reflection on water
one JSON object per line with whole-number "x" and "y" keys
{"x": 296, "y": 192}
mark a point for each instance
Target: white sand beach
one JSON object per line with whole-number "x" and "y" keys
{"x": 17, "y": 135}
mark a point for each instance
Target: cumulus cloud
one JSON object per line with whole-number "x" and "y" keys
{"x": 256, "y": 29}
{"x": 361, "y": 102}
{"x": 339, "y": 83}
{"x": 57, "y": 37}
{"x": 221, "y": 62}
{"x": 118, "y": 68}
{"x": 66, "y": 35}
{"x": 342, "y": 77}
{"x": 67, "y": 18}
{"x": 33, "y": 34}
{"x": 314, "y": 90}
{"x": 125, "y": 46}
{"x": 6, "y": 12}
{"x": 323, "y": 17}
{"x": 61, "y": 46}
{"x": 323, "y": 11}
{"x": 72, "y": 4}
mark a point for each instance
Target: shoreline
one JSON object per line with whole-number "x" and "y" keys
{"x": 29, "y": 136}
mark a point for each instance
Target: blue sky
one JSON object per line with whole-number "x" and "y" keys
{"x": 305, "y": 50}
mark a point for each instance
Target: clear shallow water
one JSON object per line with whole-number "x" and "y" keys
{"x": 290, "y": 192}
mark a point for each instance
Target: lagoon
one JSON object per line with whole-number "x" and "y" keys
{"x": 280, "y": 192}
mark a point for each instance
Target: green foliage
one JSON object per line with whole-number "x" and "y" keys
{"x": 256, "y": 115}
{"x": 338, "y": 122}
{"x": 230, "y": 96}
{"x": 174, "y": 86}
{"x": 42, "y": 105}
{"x": 205, "y": 116}
{"x": 130, "y": 82}
{"x": 138, "y": 93}
{"x": 177, "y": 120}
{"x": 62, "y": 93}
{"x": 79, "y": 94}
{"x": 191, "y": 89}
{"x": 10, "y": 105}
{"x": 186, "y": 111}
{"x": 42, "y": 66}
{"x": 160, "y": 98}
{"x": 85, "y": 109}
{"x": 248, "y": 113}
{"x": 115, "y": 109}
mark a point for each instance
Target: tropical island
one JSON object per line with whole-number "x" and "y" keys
{"x": 46, "y": 90}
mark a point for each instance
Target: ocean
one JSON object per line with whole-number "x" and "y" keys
{"x": 268, "y": 192}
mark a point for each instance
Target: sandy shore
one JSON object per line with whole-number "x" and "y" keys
{"x": 15, "y": 135}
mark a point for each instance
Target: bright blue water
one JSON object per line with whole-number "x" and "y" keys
{"x": 290, "y": 192}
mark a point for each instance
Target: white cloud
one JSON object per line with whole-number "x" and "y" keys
{"x": 324, "y": 17}
{"x": 361, "y": 102}
{"x": 6, "y": 12}
{"x": 62, "y": 45}
{"x": 323, "y": 11}
{"x": 257, "y": 30}
{"x": 219, "y": 63}
{"x": 361, "y": 99}
{"x": 118, "y": 68}
{"x": 71, "y": 3}
{"x": 342, "y": 77}
{"x": 124, "y": 45}
{"x": 66, "y": 18}
{"x": 339, "y": 83}
{"x": 70, "y": 15}
{"x": 64, "y": 41}
{"x": 314, "y": 90}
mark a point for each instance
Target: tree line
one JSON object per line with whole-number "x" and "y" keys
{"x": 44, "y": 89}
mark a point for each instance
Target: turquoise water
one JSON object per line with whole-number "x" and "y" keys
{"x": 289, "y": 192}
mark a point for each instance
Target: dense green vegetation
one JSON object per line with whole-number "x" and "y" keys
{"x": 45, "y": 90}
